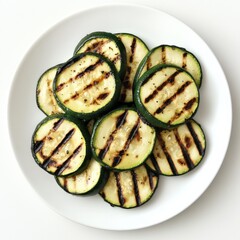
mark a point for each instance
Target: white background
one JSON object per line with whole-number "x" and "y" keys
{"x": 215, "y": 215}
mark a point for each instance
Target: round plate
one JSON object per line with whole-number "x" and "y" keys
{"x": 174, "y": 194}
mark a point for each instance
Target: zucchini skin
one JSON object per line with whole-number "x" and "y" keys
{"x": 85, "y": 134}
{"x": 98, "y": 122}
{"x": 39, "y": 80}
{"x": 94, "y": 114}
{"x": 101, "y": 34}
{"x": 143, "y": 62}
{"x": 95, "y": 190}
{"x": 141, "y": 108}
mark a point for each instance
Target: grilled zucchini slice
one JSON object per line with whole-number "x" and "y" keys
{"x": 121, "y": 140}
{"x": 60, "y": 145}
{"x": 46, "y": 101}
{"x": 106, "y": 44}
{"x": 136, "y": 50}
{"x": 87, "y": 85}
{"x": 131, "y": 188}
{"x": 89, "y": 182}
{"x": 166, "y": 96}
{"x": 166, "y": 54}
{"x": 179, "y": 150}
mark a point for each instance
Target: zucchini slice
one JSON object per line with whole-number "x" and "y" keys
{"x": 136, "y": 50}
{"x": 166, "y": 96}
{"x": 87, "y": 85}
{"x": 60, "y": 145}
{"x": 166, "y": 54}
{"x": 46, "y": 101}
{"x": 129, "y": 189}
{"x": 106, "y": 44}
{"x": 121, "y": 140}
{"x": 178, "y": 151}
{"x": 88, "y": 182}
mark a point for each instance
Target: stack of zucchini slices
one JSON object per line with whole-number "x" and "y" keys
{"x": 118, "y": 117}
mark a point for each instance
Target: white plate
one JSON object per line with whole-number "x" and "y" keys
{"x": 174, "y": 194}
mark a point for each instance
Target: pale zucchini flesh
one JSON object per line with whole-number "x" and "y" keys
{"x": 129, "y": 189}
{"x": 136, "y": 50}
{"x": 121, "y": 140}
{"x": 45, "y": 97}
{"x": 178, "y": 151}
{"x": 59, "y": 146}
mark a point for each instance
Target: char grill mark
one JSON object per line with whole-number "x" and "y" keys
{"x": 75, "y": 182}
{"x": 99, "y": 98}
{"x": 97, "y": 81}
{"x": 80, "y": 75}
{"x": 184, "y": 60}
{"x": 195, "y": 138}
{"x": 135, "y": 187}
{"x": 186, "y": 107}
{"x": 120, "y": 121}
{"x": 61, "y": 86}
{"x": 131, "y": 136}
{"x": 163, "y": 54}
{"x": 117, "y": 58}
{"x": 150, "y": 76}
{"x": 73, "y": 97}
{"x": 168, "y": 156}
{"x": 97, "y": 46}
{"x": 65, "y": 183}
{"x": 102, "y": 96}
{"x": 169, "y": 100}
{"x": 94, "y": 47}
{"x": 126, "y": 84}
{"x": 89, "y": 69}
{"x": 39, "y": 144}
{"x": 150, "y": 178}
{"x": 133, "y": 47}
{"x": 155, "y": 164}
{"x": 89, "y": 86}
{"x": 62, "y": 167}
{"x": 57, "y": 124}
{"x": 148, "y": 63}
{"x": 66, "y": 163}
{"x": 119, "y": 189}
{"x": 185, "y": 153}
{"x": 67, "y": 137}
{"x": 170, "y": 80}
{"x": 189, "y": 104}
